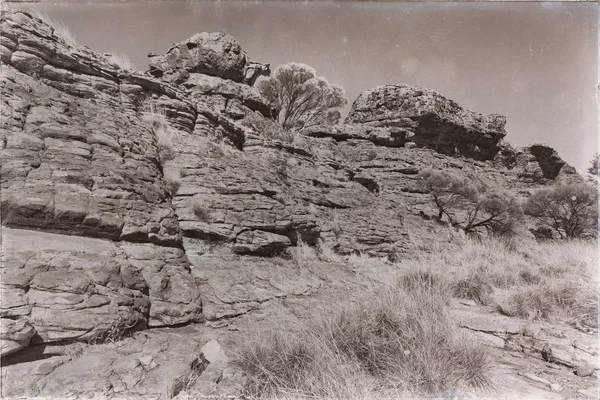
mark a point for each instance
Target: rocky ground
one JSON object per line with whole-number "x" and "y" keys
{"x": 102, "y": 236}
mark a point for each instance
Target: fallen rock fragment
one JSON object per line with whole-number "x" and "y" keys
{"x": 555, "y": 387}
{"x": 535, "y": 378}
{"x": 16, "y": 335}
{"x": 584, "y": 370}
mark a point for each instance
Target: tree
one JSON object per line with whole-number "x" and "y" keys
{"x": 470, "y": 206}
{"x": 569, "y": 210}
{"x": 303, "y": 98}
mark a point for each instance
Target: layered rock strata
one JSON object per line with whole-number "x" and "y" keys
{"x": 102, "y": 233}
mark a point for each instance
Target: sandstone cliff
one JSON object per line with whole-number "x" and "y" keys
{"x": 95, "y": 238}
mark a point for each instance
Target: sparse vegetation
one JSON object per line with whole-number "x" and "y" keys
{"x": 60, "y": 29}
{"x": 121, "y": 327}
{"x": 554, "y": 281}
{"x": 470, "y": 206}
{"x": 201, "y": 213}
{"x": 267, "y": 128}
{"x": 156, "y": 117}
{"x": 569, "y": 302}
{"x": 393, "y": 343}
{"x": 272, "y": 130}
{"x": 173, "y": 182}
{"x": 594, "y": 167}
{"x": 303, "y": 98}
{"x": 569, "y": 210}
{"x": 122, "y": 62}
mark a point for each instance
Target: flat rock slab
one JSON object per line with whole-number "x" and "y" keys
{"x": 148, "y": 365}
{"x": 58, "y": 287}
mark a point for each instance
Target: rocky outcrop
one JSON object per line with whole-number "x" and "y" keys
{"x": 537, "y": 164}
{"x": 80, "y": 165}
{"x": 216, "y": 54}
{"x": 435, "y": 121}
{"x": 106, "y": 236}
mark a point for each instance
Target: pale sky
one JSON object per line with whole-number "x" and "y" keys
{"x": 535, "y": 63}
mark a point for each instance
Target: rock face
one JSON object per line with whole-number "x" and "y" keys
{"x": 103, "y": 236}
{"x": 536, "y": 164}
{"x": 78, "y": 160}
{"x": 435, "y": 121}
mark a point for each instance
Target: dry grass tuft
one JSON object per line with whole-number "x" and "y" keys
{"x": 156, "y": 117}
{"x": 563, "y": 302}
{"x": 326, "y": 253}
{"x": 72, "y": 350}
{"x": 303, "y": 255}
{"x": 123, "y": 326}
{"x": 552, "y": 281}
{"x": 172, "y": 181}
{"x": 475, "y": 288}
{"x": 122, "y": 62}
{"x": 393, "y": 341}
{"x": 60, "y": 29}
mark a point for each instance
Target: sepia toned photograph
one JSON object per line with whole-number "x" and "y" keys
{"x": 299, "y": 200}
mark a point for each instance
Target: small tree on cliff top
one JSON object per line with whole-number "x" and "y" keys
{"x": 303, "y": 98}
{"x": 470, "y": 206}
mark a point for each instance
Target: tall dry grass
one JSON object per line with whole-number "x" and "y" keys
{"x": 392, "y": 343}
{"x": 122, "y": 62}
{"x": 399, "y": 342}
{"x": 552, "y": 281}
{"x": 60, "y": 29}
{"x": 156, "y": 117}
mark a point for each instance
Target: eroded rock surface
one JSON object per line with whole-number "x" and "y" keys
{"x": 69, "y": 287}
{"x": 435, "y": 121}
{"x": 101, "y": 236}
{"x": 80, "y": 165}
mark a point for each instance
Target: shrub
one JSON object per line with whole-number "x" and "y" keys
{"x": 469, "y": 206}
{"x": 303, "y": 98}
{"x": 569, "y": 210}
{"x": 267, "y": 128}
{"x": 404, "y": 340}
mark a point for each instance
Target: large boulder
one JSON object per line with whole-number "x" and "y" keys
{"x": 436, "y": 121}
{"x": 216, "y": 54}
